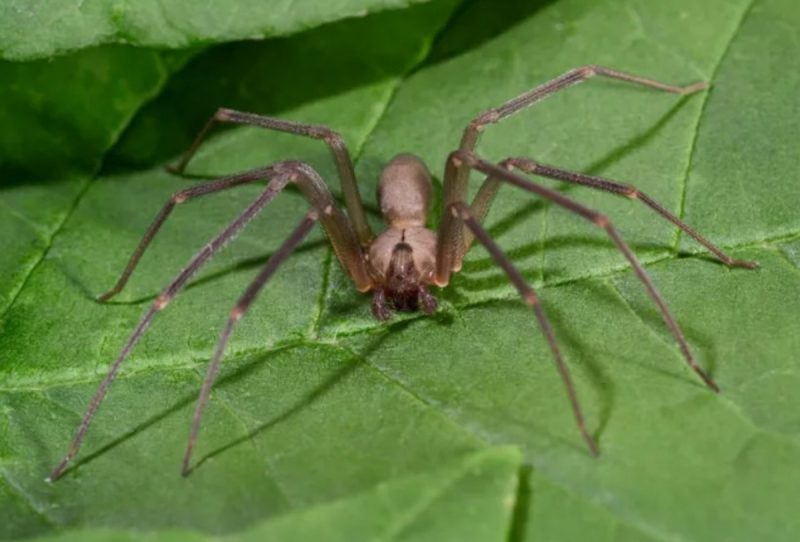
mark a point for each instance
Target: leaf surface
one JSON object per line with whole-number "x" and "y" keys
{"x": 31, "y": 30}
{"x": 319, "y": 404}
{"x": 480, "y": 486}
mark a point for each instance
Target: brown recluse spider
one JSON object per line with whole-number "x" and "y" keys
{"x": 403, "y": 262}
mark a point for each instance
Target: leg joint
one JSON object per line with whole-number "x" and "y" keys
{"x": 630, "y": 192}
{"x": 334, "y": 139}
{"x": 459, "y": 209}
{"x": 459, "y": 157}
{"x": 179, "y": 197}
{"x": 223, "y": 113}
{"x": 602, "y": 221}
{"x": 523, "y": 164}
{"x": 162, "y": 301}
{"x": 488, "y": 117}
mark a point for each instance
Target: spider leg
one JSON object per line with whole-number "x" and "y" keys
{"x": 338, "y": 229}
{"x": 456, "y": 178}
{"x": 488, "y": 189}
{"x": 344, "y": 164}
{"x": 462, "y": 211}
{"x": 177, "y": 198}
{"x": 336, "y": 226}
{"x": 236, "y": 314}
{"x": 446, "y": 245}
{"x": 572, "y": 77}
{"x": 277, "y": 183}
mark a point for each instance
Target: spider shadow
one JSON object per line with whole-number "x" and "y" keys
{"x": 227, "y": 379}
{"x": 702, "y": 345}
{"x": 640, "y": 305}
{"x": 358, "y": 360}
{"x": 594, "y": 373}
{"x": 472, "y": 277}
{"x": 247, "y": 264}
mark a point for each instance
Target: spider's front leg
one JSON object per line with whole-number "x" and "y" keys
{"x": 469, "y": 139}
{"x": 334, "y": 141}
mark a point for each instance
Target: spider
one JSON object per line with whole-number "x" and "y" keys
{"x": 401, "y": 264}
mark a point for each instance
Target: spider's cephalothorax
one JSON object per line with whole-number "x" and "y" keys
{"x": 398, "y": 265}
{"x": 401, "y": 260}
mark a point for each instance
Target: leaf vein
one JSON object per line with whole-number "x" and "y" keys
{"x": 692, "y": 151}
{"x": 25, "y": 499}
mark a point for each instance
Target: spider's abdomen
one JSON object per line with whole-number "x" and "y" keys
{"x": 404, "y": 192}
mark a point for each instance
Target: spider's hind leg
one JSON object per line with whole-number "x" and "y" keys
{"x": 462, "y": 211}
{"x": 474, "y": 162}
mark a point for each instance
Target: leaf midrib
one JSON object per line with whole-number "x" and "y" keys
{"x": 693, "y": 149}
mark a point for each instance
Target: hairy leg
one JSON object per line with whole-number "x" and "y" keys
{"x": 176, "y": 199}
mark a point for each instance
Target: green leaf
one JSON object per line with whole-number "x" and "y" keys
{"x": 479, "y": 488}
{"x": 35, "y": 30}
{"x": 319, "y": 406}
{"x": 56, "y": 133}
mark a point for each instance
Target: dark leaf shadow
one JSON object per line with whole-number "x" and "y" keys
{"x": 268, "y": 77}
{"x": 587, "y": 364}
{"x": 247, "y": 264}
{"x": 242, "y": 371}
{"x": 522, "y": 502}
{"x": 478, "y": 21}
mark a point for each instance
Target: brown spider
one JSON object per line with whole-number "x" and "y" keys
{"x": 400, "y": 264}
